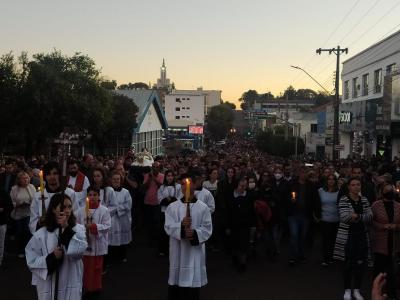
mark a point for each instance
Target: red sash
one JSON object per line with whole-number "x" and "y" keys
{"x": 80, "y": 180}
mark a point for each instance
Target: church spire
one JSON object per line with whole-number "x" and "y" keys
{"x": 163, "y": 62}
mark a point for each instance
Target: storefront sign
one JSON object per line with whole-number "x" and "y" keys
{"x": 345, "y": 117}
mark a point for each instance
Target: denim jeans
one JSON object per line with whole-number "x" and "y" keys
{"x": 3, "y": 229}
{"x": 298, "y": 226}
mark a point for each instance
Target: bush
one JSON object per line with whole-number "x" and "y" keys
{"x": 277, "y": 145}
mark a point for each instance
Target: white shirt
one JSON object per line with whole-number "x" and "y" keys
{"x": 121, "y": 219}
{"x": 206, "y": 197}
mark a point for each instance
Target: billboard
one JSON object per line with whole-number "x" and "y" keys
{"x": 195, "y": 129}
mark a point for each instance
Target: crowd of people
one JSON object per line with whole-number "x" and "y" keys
{"x": 231, "y": 199}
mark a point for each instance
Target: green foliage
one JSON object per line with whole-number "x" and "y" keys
{"x": 219, "y": 121}
{"x": 109, "y": 84}
{"x": 51, "y": 93}
{"x": 277, "y": 145}
{"x": 133, "y": 86}
{"x": 232, "y": 105}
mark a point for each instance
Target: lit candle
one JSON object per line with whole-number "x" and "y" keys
{"x": 293, "y": 195}
{"x": 87, "y": 207}
{"x": 41, "y": 189}
{"x": 187, "y": 193}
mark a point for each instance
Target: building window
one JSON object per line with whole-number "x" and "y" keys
{"x": 177, "y": 109}
{"x": 365, "y": 80}
{"x": 178, "y": 100}
{"x": 177, "y": 117}
{"x": 187, "y": 107}
{"x": 346, "y": 89}
{"x": 314, "y": 128}
{"x": 378, "y": 81}
{"x": 391, "y": 69}
{"x": 355, "y": 87}
{"x": 183, "y": 108}
{"x": 187, "y": 117}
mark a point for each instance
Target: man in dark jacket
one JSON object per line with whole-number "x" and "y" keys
{"x": 6, "y": 207}
{"x": 7, "y": 179}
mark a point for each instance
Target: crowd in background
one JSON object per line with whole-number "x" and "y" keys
{"x": 255, "y": 200}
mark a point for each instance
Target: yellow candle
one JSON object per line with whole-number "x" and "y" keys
{"x": 187, "y": 193}
{"x": 87, "y": 207}
{"x": 41, "y": 189}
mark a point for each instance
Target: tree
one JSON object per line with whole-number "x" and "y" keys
{"x": 133, "y": 86}
{"x": 232, "y": 105}
{"x": 109, "y": 84}
{"x": 250, "y": 97}
{"x": 123, "y": 121}
{"x": 277, "y": 145}
{"x": 290, "y": 93}
{"x": 219, "y": 121}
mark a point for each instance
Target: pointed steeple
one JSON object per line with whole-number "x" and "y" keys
{"x": 163, "y": 62}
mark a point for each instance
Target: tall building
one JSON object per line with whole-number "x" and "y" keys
{"x": 369, "y": 118}
{"x": 163, "y": 82}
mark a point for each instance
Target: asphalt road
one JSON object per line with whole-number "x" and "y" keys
{"x": 144, "y": 277}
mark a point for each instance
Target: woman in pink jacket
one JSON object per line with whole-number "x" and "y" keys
{"x": 384, "y": 235}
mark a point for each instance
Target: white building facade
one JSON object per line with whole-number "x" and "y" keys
{"x": 369, "y": 115}
{"x": 182, "y": 110}
{"x": 211, "y": 97}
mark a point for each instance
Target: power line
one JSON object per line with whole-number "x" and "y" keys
{"x": 360, "y": 20}
{"x": 327, "y": 40}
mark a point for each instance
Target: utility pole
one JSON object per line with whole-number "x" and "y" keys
{"x": 336, "y": 102}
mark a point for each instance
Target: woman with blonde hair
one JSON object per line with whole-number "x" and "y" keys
{"x": 22, "y": 194}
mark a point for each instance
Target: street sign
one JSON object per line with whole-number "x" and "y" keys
{"x": 381, "y": 152}
{"x": 339, "y": 147}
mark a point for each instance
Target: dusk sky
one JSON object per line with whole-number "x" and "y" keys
{"x": 228, "y": 45}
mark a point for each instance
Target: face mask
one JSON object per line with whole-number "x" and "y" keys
{"x": 252, "y": 185}
{"x": 278, "y": 176}
{"x": 388, "y": 195}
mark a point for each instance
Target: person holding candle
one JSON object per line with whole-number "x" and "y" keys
{"x": 302, "y": 206}
{"x": 49, "y": 186}
{"x": 55, "y": 251}
{"x": 97, "y": 220}
{"x": 188, "y": 224}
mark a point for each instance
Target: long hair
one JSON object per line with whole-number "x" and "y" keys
{"x": 51, "y": 220}
{"x": 103, "y": 173}
{"x": 325, "y": 183}
{"x": 165, "y": 183}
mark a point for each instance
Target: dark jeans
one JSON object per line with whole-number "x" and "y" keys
{"x": 356, "y": 253}
{"x": 385, "y": 264}
{"x": 152, "y": 221}
{"x": 328, "y": 232}
{"x": 183, "y": 293}
{"x": 298, "y": 226}
{"x": 22, "y": 234}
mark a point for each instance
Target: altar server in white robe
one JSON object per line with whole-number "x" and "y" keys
{"x": 189, "y": 228}
{"x": 96, "y": 218}
{"x": 53, "y": 186}
{"x": 121, "y": 220}
{"x": 55, "y": 251}
{"x": 203, "y": 194}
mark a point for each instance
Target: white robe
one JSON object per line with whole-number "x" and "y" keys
{"x": 101, "y": 217}
{"x": 36, "y": 206}
{"x": 42, "y": 244}
{"x": 166, "y": 191}
{"x": 206, "y": 197}
{"x": 107, "y": 196}
{"x": 121, "y": 219}
{"x": 187, "y": 263}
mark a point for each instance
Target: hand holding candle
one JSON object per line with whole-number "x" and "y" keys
{"x": 187, "y": 192}
{"x": 41, "y": 188}
{"x": 87, "y": 209}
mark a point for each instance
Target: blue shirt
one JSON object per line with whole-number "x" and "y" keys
{"x": 329, "y": 206}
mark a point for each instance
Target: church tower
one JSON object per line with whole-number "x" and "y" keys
{"x": 163, "y": 82}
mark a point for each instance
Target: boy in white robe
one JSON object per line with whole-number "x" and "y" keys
{"x": 54, "y": 253}
{"x": 188, "y": 234}
{"x": 97, "y": 220}
{"x": 203, "y": 194}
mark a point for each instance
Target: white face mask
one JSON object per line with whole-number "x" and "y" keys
{"x": 252, "y": 185}
{"x": 278, "y": 176}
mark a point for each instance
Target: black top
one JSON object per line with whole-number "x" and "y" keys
{"x": 357, "y": 227}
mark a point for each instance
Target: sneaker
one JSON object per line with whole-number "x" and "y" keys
{"x": 347, "y": 295}
{"x": 357, "y": 295}
{"x": 324, "y": 264}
